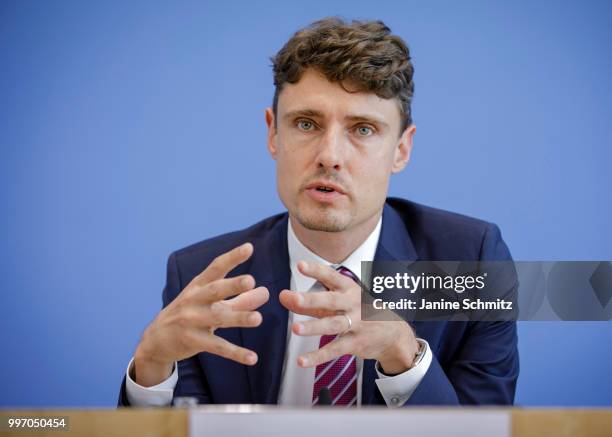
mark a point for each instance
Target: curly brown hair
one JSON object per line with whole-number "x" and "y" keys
{"x": 362, "y": 53}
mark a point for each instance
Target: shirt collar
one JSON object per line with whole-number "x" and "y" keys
{"x": 299, "y": 252}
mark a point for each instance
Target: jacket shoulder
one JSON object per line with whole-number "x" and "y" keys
{"x": 441, "y": 234}
{"x": 194, "y": 258}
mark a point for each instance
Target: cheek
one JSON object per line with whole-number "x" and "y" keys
{"x": 373, "y": 180}
{"x": 371, "y": 176}
{"x": 290, "y": 169}
{"x": 286, "y": 164}
{"x": 293, "y": 158}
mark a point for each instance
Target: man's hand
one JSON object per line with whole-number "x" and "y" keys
{"x": 187, "y": 325}
{"x": 392, "y": 343}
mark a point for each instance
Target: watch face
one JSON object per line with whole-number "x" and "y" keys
{"x": 419, "y": 355}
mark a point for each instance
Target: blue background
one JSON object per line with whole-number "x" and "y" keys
{"x": 128, "y": 130}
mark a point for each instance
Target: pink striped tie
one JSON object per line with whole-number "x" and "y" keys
{"x": 338, "y": 375}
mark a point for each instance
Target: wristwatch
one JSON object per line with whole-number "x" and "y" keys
{"x": 417, "y": 358}
{"x": 420, "y": 354}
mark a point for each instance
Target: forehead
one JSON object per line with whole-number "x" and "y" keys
{"x": 313, "y": 92}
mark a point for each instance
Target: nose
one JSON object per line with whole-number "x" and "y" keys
{"x": 331, "y": 148}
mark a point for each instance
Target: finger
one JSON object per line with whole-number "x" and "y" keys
{"x": 217, "y": 315}
{"x": 220, "y": 315}
{"x": 293, "y": 301}
{"x": 326, "y": 275}
{"x": 324, "y": 300}
{"x": 249, "y": 300}
{"x": 340, "y": 346}
{"x": 220, "y": 346}
{"x": 325, "y": 326}
{"x": 224, "y": 263}
{"x": 223, "y": 288}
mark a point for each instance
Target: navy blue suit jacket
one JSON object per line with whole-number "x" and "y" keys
{"x": 473, "y": 362}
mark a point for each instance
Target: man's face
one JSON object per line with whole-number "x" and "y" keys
{"x": 335, "y": 152}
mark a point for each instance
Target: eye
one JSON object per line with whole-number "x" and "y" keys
{"x": 305, "y": 125}
{"x": 365, "y": 131}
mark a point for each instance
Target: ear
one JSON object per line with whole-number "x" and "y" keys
{"x": 403, "y": 149}
{"x": 271, "y": 133}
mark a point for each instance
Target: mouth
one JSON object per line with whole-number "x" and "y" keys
{"x": 325, "y": 187}
{"x": 325, "y": 192}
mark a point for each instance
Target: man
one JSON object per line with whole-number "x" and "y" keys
{"x": 271, "y": 314}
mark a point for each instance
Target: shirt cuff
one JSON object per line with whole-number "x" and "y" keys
{"x": 159, "y": 395}
{"x": 397, "y": 389}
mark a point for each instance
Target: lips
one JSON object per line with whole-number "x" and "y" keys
{"x": 325, "y": 187}
{"x": 324, "y": 192}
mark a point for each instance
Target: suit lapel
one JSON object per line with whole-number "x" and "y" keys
{"x": 394, "y": 244}
{"x": 270, "y": 268}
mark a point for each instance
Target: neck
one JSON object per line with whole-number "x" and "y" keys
{"x": 334, "y": 247}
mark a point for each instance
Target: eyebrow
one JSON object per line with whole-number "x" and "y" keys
{"x": 367, "y": 118}
{"x": 303, "y": 113}
{"x": 353, "y": 117}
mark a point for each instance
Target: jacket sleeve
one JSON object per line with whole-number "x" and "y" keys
{"x": 486, "y": 367}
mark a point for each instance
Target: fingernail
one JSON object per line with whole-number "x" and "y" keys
{"x": 304, "y": 362}
{"x": 253, "y": 318}
{"x": 245, "y": 282}
{"x": 299, "y": 299}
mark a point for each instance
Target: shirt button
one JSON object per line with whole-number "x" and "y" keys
{"x": 395, "y": 400}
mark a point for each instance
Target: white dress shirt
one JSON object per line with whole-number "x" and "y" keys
{"x": 297, "y": 382}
